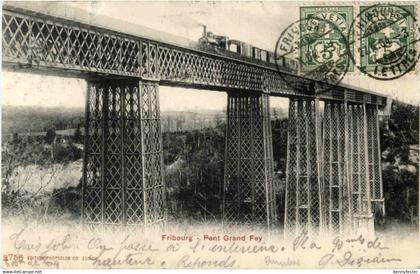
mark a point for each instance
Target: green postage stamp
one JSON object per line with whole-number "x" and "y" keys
{"x": 333, "y": 45}
{"x": 387, "y": 42}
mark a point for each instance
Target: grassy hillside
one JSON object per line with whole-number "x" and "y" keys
{"x": 24, "y": 119}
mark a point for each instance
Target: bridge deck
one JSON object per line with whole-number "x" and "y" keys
{"x": 57, "y": 38}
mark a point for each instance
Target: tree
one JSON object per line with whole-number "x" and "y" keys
{"x": 78, "y": 135}
{"x": 400, "y": 185}
{"x": 15, "y": 138}
{"x": 49, "y": 137}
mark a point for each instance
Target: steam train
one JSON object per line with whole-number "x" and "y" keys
{"x": 223, "y": 45}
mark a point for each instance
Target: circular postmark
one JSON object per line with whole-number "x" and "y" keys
{"x": 385, "y": 35}
{"x": 315, "y": 49}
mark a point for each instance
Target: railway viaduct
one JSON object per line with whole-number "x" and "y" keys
{"x": 333, "y": 165}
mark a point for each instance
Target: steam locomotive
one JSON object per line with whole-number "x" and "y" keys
{"x": 223, "y": 45}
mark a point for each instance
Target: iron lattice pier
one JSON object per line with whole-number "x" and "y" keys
{"x": 248, "y": 191}
{"x": 335, "y": 168}
{"x": 123, "y": 178}
{"x": 303, "y": 193}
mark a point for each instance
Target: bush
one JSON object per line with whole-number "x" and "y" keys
{"x": 67, "y": 153}
{"x": 25, "y": 158}
{"x": 67, "y": 200}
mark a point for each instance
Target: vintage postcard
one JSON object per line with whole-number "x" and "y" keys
{"x": 206, "y": 135}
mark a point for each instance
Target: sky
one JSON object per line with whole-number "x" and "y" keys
{"x": 257, "y": 23}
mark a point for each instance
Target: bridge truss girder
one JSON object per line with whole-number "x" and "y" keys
{"x": 38, "y": 42}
